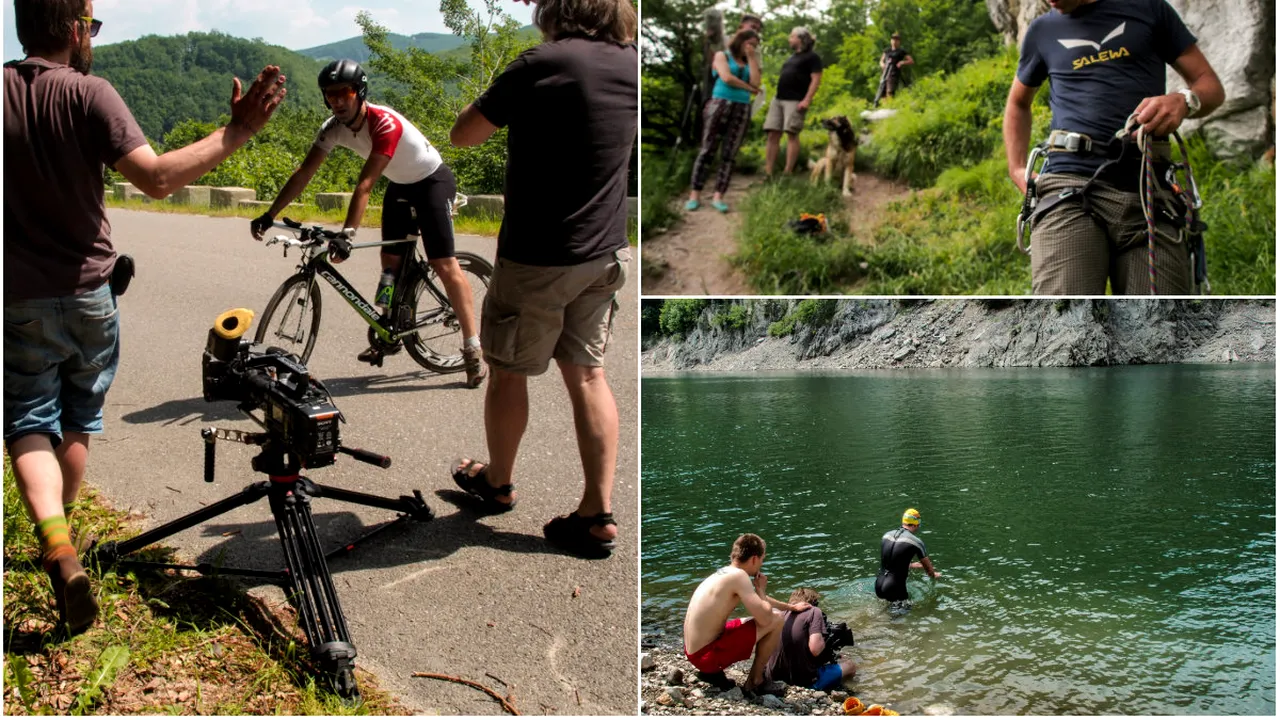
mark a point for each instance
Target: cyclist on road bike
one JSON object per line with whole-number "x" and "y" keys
{"x": 420, "y": 180}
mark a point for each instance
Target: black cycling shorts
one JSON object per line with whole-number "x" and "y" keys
{"x": 424, "y": 207}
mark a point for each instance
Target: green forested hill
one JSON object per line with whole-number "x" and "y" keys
{"x": 356, "y": 49}
{"x": 166, "y": 80}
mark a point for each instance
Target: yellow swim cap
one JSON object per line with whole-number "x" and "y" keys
{"x": 911, "y": 517}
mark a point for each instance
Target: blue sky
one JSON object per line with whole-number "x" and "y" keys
{"x": 294, "y": 24}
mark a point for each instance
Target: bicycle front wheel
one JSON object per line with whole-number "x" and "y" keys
{"x": 437, "y": 344}
{"x": 292, "y": 318}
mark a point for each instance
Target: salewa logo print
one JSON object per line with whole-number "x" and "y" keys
{"x": 1101, "y": 55}
{"x": 384, "y": 124}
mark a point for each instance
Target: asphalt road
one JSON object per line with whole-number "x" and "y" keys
{"x": 479, "y": 597}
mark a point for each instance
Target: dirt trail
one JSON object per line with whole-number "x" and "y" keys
{"x": 694, "y": 255}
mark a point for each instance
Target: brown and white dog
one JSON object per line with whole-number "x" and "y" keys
{"x": 842, "y": 147}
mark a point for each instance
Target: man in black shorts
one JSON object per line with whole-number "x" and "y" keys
{"x": 1106, "y": 60}
{"x": 898, "y": 548}
{"x": 420, "y": 182}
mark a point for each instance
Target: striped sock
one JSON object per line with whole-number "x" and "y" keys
{"x": 55, "y": 539}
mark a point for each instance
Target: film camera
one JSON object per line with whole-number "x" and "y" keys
{"x": 836, "y": 636}
{"x": 297, "y": 410}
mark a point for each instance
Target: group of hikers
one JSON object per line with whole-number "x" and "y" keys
{"x": 1091, "y": 217}
{"x": 727, "y": 113}
{"x": 570, "y": 102}
{"x": 783, "y": 640}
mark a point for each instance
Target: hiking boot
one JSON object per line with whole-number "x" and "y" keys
{"x": 474, "y": 366}
{"x": 77, "y": 608}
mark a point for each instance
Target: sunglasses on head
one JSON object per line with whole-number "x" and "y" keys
{"x": 344, "y": 92}
{"x": 94, "y": 25}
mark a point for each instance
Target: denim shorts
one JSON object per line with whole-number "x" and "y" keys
{"x": 60, "y": 356}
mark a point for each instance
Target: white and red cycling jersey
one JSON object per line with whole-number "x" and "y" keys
{"x": 385, "y": 132}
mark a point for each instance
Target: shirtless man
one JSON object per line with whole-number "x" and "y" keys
{"x": 718, "y": 641}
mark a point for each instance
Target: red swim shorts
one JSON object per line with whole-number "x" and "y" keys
{"x": 734, "y": 645}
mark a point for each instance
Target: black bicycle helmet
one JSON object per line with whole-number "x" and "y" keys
{"x": 344, "y": 72}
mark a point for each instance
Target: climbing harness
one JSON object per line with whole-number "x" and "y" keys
{"x": 1178, "y": 177}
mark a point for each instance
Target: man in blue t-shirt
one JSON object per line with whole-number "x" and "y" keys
{"x": 1106, "y": 61}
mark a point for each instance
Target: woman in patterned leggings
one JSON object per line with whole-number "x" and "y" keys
{"x": 727, "y": 114}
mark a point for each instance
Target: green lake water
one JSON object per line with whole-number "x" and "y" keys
{"x": 1106, "y": 536}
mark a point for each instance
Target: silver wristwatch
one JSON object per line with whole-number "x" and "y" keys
{"x": 1193, "y": 102}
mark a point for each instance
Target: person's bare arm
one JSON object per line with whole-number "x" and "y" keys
{"x": 1017, "y": 131}
{"x": 159, "y": 175}
{"x": 369, "y": 175}
{"x": 471, "y": 128}
{"x": 753, "y": 63}
{"x": 721, "y": 65}
{"x": 927, "y": 564}
{"x": 1164, "y": 114}
{"x": 908, "y": 60}
{"x": 816, "y": 644}
{"x": 815, "y": 79}
{"x": 750, "y": 595}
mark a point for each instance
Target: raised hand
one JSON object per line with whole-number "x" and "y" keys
{"x": 251, "y": 110}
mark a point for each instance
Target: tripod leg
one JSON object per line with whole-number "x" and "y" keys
{"x": 109, "y": 552}
{"x": 315, "y": 598}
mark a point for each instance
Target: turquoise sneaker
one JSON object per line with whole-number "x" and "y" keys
{"x": 720, "y": 206}
{"x": 692, "y": 205}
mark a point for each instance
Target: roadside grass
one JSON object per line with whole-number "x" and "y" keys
{"x": 484, "y": 224}
{"x": 164, "y": 644}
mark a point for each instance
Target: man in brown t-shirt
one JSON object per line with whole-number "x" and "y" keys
{"x": 62, "y": 126}
{"x": 795, "y": 661}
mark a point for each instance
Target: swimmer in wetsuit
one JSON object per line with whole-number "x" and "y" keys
{"x": 898, "y": 548}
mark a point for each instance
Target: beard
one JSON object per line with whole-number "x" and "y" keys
{"x": 82, "y": 58}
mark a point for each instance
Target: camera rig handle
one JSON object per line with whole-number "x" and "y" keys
{"x": 366, "y": 456}
{"x": 212, "y": 435}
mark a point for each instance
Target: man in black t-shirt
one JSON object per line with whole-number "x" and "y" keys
{"x": 894, "y": 59}
{"x": 797, "y": 84}
{"x": 795, "y": 661}
{"x": 570, "y": 106}
{"x": 1106, "y": 60}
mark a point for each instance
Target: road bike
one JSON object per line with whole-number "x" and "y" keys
{"x": 420, "y": 317}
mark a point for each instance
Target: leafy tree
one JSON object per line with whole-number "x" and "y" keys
{"x": 166, "y": 80}
{"x": 440, "y": 87}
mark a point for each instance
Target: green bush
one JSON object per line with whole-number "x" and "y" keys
{"x": 812, "y": 312}
{"x": 735, "y": 317}
{"x": 665, "y": 177}
{"x": 679, "y": 317}
{"x": 947, "y": 121}
{"x": 776, "y": 260}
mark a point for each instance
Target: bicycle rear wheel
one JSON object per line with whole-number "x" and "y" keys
{"x": 292, "y": 318}
{"x": 437, "y": 344}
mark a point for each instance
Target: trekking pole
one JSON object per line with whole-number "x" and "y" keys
{"x": 694, "y": 94}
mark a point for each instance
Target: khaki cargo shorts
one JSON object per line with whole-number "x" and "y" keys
{"x": 784, "y": 116}
{"x": 533, "y": 313}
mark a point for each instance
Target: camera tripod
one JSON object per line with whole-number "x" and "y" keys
{"x": 306, "y": 575}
